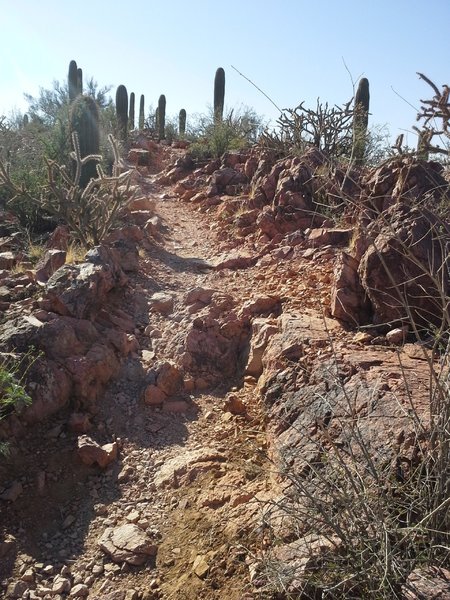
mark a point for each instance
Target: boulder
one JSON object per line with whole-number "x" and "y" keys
{"x": 349, "y": 300}
{"x": 127, "y": 543}
{"x": 90, "y": 452}
{"x": 406, "y": 271}
{"x": 52, "y": 260}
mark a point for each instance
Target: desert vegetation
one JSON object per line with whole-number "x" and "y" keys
{"x": 335, "y": 350}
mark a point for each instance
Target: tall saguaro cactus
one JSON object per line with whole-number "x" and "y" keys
{"x": 182, "y": 123}
{"x": 122, "y": 111}
{"x": 79, "y": 82}
{"x": 219, "y": 94}
{"x": 360, "y": 120}
{"x": 84, "y": 120}
{"x": 131, "y": 112}
{"x": 141, "y": 113}
{"x": 162, "y": 117}
{"x": 73, "y": 81}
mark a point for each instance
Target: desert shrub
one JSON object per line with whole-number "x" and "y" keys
{"x": 211, "y": 138}
{"x": 90, "y": 211}
{"x": 375, "y": 514}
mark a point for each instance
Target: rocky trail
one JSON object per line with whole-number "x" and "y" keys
{"x": 209, "y": 360}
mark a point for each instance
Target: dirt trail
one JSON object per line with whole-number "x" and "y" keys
{"x": 192, "y": 473}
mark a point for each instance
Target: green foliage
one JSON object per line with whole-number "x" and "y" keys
{"x": 239, "y": 129}
{"x": 141, "y": 112}
{"x": 219, "y": 94}
{"x": 91, "y": 212}
{"x": 84, "y": 120}
{"x": 360, "y": 121}
{"x": 13, "y": 370}
{"x": 122, "y": 112}
{"x": 162, "y": 117}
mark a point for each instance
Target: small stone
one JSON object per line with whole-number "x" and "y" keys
{"x": 397, "y": 335}
{"x": 79, "y": 591}
{"x": 28, "y": 576}
{"x": 61, "y": 585}
{"x": 13, "y": 492}
{"x": 200, "y": 566}
{"x": 161, "y": 303}
{"x": 153, "y": 395}
{"x": 235, "y": 405}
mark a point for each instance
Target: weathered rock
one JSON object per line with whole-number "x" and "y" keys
{"x": 79, "y": 591}
{"x": 80, "y": 290}
{"x": 409, "y": 255}
{"x": 61, "y": 585}
{"x": 154, "y": 395}
{"x": 90, "y": 452}
{"x": 8, "y": 260}
{"x": 52, "y": 260}
{"x": 261, "y": 334}
{"x": 334, "y": 237}
{"x": 127, "y": 543}
{"x": 349, "y": 301}
{"x": 397, "y": 335}
{"x": 169, "y": 378}
{"x": 13, "y": 492}
{"x": 143, "y": 203}
{"x": 79, "y": 423}
{"x": 428, "y": 583}
{"x": 161, "y": 303}
{"x": 59, "y": 239}
{"x": 16, "y": 589}
{"x": 187, "y": 466}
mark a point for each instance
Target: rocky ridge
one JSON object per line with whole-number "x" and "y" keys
{"x": 184, "y": 362}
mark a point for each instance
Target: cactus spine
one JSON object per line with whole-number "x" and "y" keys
{"x": 122, "y": 111}
{"x": 182, "y": 123}
{"x": 360, "y": 121}
{"x": 219, "y": 94}
{"x": 131, "y": 112}
{"x": 84, "y": 120}
{"x": 141, "y": 113}
{"x": 73, "y": 81}
{"x": 161, "y": 117}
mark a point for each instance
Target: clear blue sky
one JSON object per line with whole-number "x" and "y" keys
{"x": 293, "y": 49}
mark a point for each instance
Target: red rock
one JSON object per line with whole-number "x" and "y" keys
{"x": 79, "y": 423}
{"x": 169, "y": 378}
{"x": 90, "y": 452}
{"x": 154, "y": 395}
{"x": 176, "y": 406}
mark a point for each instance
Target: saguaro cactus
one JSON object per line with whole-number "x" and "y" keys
{"x": 73, "y": 80}
{"x": 182, "y": 123}
{"x": 131, "y": 112}
{"x": 122, "y": 111}
{"x": 162, "y": 117}
{"x": 219, "y": 94}
{"x": 360, "y": 120}
{"x": 79, "y": 82}
{"x": 141, "y": 113}
{"x": 84, "y": 119}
